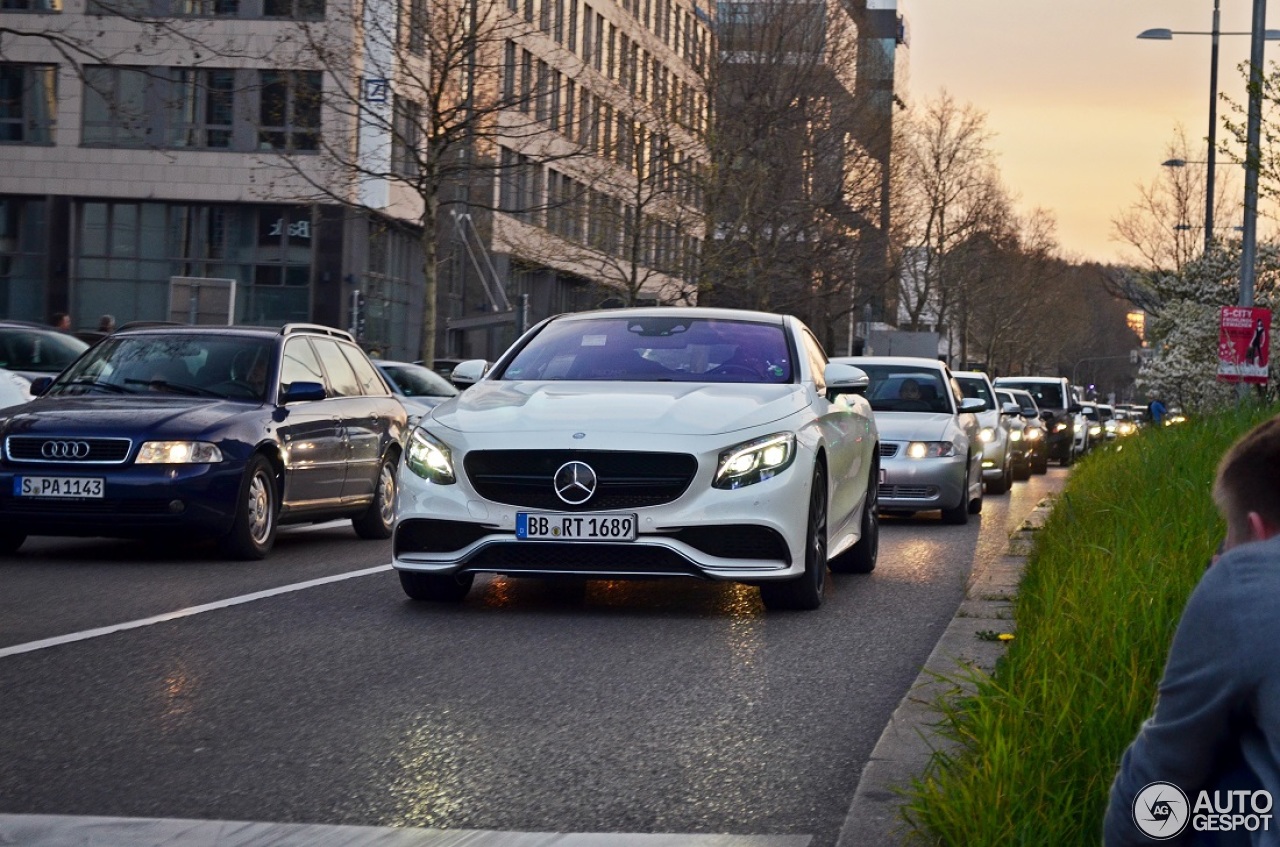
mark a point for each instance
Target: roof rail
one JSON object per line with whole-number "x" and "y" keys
{"x": 289, "y": 329}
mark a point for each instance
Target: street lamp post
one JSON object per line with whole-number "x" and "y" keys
{"x": 1211, "y": 160}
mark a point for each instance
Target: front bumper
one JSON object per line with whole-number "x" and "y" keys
{"x": 137, "y": 501}
{"x": 919, "y": 485}
{"x": 994, "y": 454}
{"x": 754, "y": 533}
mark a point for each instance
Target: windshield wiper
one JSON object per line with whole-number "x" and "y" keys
{"x": 106, "y": 386}
{"x": 175, "y": 387}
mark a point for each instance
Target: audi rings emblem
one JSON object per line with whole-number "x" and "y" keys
{"x": 65, "y": 449}
{"x": 575, "y": 482}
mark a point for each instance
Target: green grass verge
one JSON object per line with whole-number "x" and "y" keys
{"x": 1037, "y": 745}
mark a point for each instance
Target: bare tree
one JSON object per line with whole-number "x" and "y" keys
{"x": 791, "y": 186}
{"x": 427, "y": 105}
{"x": 949, "y": 190}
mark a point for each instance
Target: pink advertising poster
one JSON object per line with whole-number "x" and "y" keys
{"x": 1244, "y": 342}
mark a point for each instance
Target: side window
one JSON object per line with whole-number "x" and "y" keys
{"x": 817, "y": 360}
{"x": 342, "y": 379}
{"x": 366, "y": 374}
{"x": 300, "y": 363}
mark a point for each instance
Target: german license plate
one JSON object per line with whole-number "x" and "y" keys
{"x": 58, "y": 486}
{"x": 580, "y": 527}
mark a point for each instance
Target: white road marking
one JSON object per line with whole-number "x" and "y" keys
{"x": 58, "y": 640}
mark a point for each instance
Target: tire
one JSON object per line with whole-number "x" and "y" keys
{"x": 804, "y": 593}
{"x": 1040, "y": 466}
{"x": 11, "y": 540}
{"x": 861, "y": 557}
{"x": 1005, "y": 482}
{"x": 959, "y": 514}
{"x": 436, "y": 588}
{"x": 379, "y": 520}
{"x": 253, "y": 533}
{"x": 1022, "y": 471}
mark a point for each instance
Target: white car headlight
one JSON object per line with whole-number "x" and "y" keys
{"x": 1015, "y": 435}
{"x": 930, "y": 449}
{"x": 178, "y": 453}
{"x": 1059, "y": 427}
{"x": 1034, "y": 433}
{"x": 755, "y": 461}
{"x": 429, "y": 458}
{"x": 986, "y": 435}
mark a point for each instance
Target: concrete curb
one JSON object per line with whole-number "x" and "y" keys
{"x": 909, "y": 741}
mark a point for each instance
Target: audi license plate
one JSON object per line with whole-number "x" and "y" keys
{"x": 58, "y": 486}
{"x": 580, "y": 527}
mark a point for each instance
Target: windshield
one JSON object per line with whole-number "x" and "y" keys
{"x": 977, "y": 387}
{"x": 226, "y": 367}
{"x": 417, "y": 381}
{"x": 1046, "y": 394}
{"x": 43, "y": 351}
{"x": 906, "y": 388}
{"x": 656, "y": 348}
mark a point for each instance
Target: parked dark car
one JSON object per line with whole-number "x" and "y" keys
{"x": 33, "y": 350}
{"x": 216, "y": 431}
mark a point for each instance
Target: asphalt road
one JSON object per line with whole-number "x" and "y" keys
{"x": 664, "y": 706}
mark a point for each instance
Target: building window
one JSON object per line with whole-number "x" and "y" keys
{"x": 30, "y": 6}
{"x": 298, "y": 10}
{"x": 115, "y": 107}
{"x": 417, "y": 36}
{"x": 23, "y": 230}
{"x": 407, "y": 138}
{"x": 27, "y": 104}
{"x": 202, "y": 108}
{"x": 289, "y": 110}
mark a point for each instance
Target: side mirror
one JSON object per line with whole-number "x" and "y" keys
{"x": 973, "y": 404}
{"x": 1031, "y": 414}
{"x": 1010, "y": 409}
{"x": 40, "y": 385}
{"x": 470, "y": 372}
{"x": 845, "y": 379}
{"x": 1047, "y": 416}
{"x": 303, "y": 392}
{"x": 1075, "y": 408}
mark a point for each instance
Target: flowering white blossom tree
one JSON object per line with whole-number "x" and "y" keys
{"x": 1183, "y": 371}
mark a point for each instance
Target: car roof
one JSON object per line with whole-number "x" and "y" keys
{"x": 160, "y": 328}
{"x": 707, "y": 313}
{"x": 913, "y": 361}
{"x": 972, "y": 374}
{"x": 1045, "y": 379}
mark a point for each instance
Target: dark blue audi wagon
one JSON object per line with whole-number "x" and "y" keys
{"x": 225, "y": 432}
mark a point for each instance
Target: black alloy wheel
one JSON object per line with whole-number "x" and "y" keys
{"x": 805, "y": 592}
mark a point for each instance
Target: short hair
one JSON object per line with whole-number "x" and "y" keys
{"x": 1248, "y": 478}
{"x": 106, "y": 323}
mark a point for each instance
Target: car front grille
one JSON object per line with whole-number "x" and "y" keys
{"x": 888, "y": 451}
{"x": 625, "y": 480}
{"x": 53, "y": 450}
{"x": 427, "y": 535}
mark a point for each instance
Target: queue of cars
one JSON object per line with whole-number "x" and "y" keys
{"x": 678, "y": 442}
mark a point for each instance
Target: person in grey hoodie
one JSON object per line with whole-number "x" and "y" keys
{"x": 1216, "y": 725}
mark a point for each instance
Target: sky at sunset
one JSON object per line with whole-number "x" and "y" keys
{"x": 1082, "y": 111}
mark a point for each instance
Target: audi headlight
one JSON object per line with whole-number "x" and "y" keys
{"x": 178, "y": 453}
{"x": 429, "y": 458}
{"x": 986, "y": 435}
{"x": 755, "y": 461}
{"x": 930, "y": 449}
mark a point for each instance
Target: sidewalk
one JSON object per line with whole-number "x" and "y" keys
{"x": 908, "y": 741}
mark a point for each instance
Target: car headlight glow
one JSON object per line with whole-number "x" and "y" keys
{"x": 1034, "y": 433}
{"x": 429, "y": 458}
{"x": 1015, "y": 435}
{"x": 986, "y": 435}
{"x": 178, "y": 453}
{"x": 930, "y": 449}
{"x": 1059, "y": 427}
{"x": 755, "y": 461}
{"x": 1095, "y": 430}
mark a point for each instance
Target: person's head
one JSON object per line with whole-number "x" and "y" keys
{"x": 61, "y": 320}
{"x": 107, "y": 323}
{"x": 909, "y": 390}
{"x": 1247, "y": 488}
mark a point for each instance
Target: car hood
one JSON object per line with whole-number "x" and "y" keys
{"x": 914, "y": 426}
{"x": 661, "y": 408}
{"x": 120, "y": 416}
